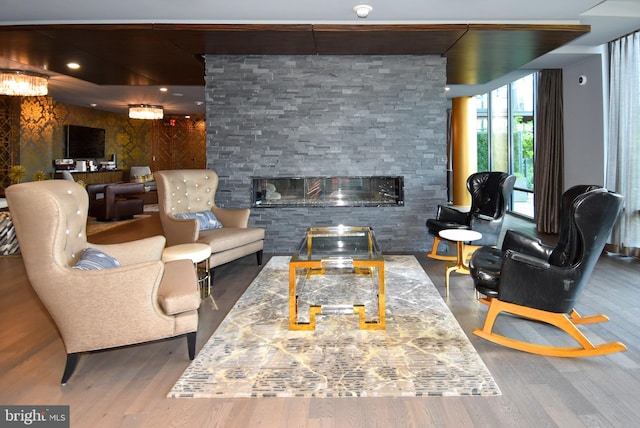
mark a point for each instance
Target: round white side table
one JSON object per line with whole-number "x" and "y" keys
{"x": 459, "y": 236}
{"x": 199, "y": 254}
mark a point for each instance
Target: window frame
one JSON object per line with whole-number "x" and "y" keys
{"x": 485, "y": 112}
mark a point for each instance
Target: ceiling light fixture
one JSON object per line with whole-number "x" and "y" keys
{"x": 23, "y": 83}
{"x": 145, "y": 111}
{"x": 362, "y": 10}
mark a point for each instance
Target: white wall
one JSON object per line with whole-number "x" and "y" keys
{"x": 584, "y": 130}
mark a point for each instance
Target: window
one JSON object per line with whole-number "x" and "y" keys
{"x": 505, "y": 131}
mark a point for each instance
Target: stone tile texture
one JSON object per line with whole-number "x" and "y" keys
{"x": 283, "y": 116}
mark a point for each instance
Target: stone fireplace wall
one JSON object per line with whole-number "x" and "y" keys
{"x": 290, "y": 116}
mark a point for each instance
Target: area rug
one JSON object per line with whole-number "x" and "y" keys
{"x": 423, "y": 351}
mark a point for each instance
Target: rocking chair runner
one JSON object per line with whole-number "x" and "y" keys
{"x": 542, "y": 283}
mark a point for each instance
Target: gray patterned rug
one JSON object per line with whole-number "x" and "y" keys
{"x": 422, "y": 352}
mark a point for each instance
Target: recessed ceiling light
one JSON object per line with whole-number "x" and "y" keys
{"x": 362, "y": 10}
{"x": 73, "y": 65}
{"x": 163, "y": 89}
{"x": 93, "y": 105}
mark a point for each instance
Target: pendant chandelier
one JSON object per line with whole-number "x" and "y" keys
{"x": 145, "y": 111}
{"x": 23, "y": 83}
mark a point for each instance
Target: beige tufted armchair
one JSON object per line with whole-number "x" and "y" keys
{"x": 142, "y": 300}
{"x": 191, "y": 191}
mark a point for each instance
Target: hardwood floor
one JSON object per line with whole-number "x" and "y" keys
{"x": 126, "y": 387}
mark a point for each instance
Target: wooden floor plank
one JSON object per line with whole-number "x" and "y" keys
{"x": 127, "y": 387}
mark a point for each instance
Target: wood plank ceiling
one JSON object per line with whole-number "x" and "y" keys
{"x": 172, "y": 54}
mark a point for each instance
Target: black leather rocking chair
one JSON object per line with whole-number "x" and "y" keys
{"x": 490, "y": 193}
{"x": 535, "y": 281}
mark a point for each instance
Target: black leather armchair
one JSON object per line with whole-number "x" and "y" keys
{"x": 490, "y": 193}
{"x": 540, "y": 282}
{"x": 486, "y": 266}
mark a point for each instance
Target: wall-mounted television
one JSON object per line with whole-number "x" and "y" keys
{"x": 83, "y": 142}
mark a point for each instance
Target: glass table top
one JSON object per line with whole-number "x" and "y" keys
{"x": 338, "y": 244}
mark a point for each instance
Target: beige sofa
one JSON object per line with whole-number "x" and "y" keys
{"x": 142, "y": 300}
{"x": 192, "y": 191}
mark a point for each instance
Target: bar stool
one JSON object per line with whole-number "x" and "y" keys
{"x": 199, "y": 254}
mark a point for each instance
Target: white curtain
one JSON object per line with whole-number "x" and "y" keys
{"x": 623, "y": 155}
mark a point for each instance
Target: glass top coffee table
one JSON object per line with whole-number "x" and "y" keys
{"x": 345, "y": 250}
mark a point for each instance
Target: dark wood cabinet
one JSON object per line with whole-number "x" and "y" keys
{"x": 96, "y": 177}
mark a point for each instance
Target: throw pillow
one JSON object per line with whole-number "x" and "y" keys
{"x": 142, "y": 178}
{"x": 207, "y": 219}
{"x": 92, "y": 259}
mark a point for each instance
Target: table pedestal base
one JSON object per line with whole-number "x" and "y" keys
{"x": 464, "y": 253}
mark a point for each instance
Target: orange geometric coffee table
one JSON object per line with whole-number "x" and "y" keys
{"x": 344, "y": 248}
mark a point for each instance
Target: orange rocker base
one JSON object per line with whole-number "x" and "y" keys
{"x": 565, "y": 322}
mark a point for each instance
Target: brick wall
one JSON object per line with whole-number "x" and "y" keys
{"x": 330, "y": 116}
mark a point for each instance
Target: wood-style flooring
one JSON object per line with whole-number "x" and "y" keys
{"x": 127, "y": 387}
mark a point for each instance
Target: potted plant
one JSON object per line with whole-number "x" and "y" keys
{"x": 17, "y": 174}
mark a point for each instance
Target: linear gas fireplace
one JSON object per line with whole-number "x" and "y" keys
{"x": 376, "y": 191}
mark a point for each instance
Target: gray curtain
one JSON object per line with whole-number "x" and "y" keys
{"x": 623, "y": 144}
{"x": 549, "y": 152}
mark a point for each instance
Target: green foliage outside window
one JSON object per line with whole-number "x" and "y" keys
{"x": 505, "y": 136}
{"x": 523, "y": 149}
{"x": 483, "y": 150}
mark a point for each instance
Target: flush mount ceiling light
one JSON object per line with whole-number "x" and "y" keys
{"x": 362, "y": 10}
{"x": 23, "y": 83}
{"x": 145, "y": 111}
